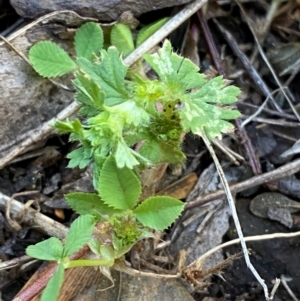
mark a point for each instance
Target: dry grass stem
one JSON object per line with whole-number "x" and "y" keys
{"x": 288, "y": 289}
{"x": 279, "y": 173}
{"x": 234, "y": 215}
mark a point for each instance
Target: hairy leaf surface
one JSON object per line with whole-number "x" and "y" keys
{"x": 121, "y": 37}
{"x": 125, "y": 157}
{"x": 79, "y": 233}
{"x": 80, "y": 157}
{"x": 89, "y": 203}
{"x": 158, "y": 212}
{"x": 49, "y": 60}
{"x": 89, "y": 94}
{"x": 88, "y": 40}
{"x": 118, "y": 187}
{"x": 50, "y": 249}
{"x": 177, "y": 73}
{"x": 109, "y": 74}
{"x": 201, "y": 109}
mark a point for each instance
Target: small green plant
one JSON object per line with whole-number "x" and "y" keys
{"x": 128, "y": 123}
{"x": 122, "y": 38}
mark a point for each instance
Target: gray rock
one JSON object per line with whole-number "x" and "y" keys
{"x": 104, "y": 10}
{"x": 141, "y": 288}
{"x": 28, "y": 100}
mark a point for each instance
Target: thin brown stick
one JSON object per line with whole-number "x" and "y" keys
{"x": 251, "y": 156}
{"x": 279, "y": 173}
{"x": 211, "y": 43}
{"x": 5, "y": 265}
{"x": 274, "y": 121}
{"x": 269, "y": 111}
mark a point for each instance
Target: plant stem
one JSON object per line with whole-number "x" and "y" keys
{"x": 40, "y": 279}
{"x": 234, "y": 214}
{"x": 88, "y": 263}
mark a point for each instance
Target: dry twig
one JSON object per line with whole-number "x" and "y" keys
{"x": 279, "y": 173}
{"x": 235, "y": 216}
{"x": 33, "y": 218}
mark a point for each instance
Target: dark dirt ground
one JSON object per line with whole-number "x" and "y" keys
{"x": 272, "y": 258}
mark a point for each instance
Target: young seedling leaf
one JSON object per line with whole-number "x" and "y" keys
{"x": 88, "y": 40}
{"x": 158, "y": 212}
{"x": 89, "y": 203}
{"x": 178, "y": 74}
{"x": 147, "y": 31}
{"x": 49, "y": 60}
{"x": 199, "y": 114}
{"x": 109, "y": 74}
{"x": 105, "y": 251}
{"x": 118, "y": 187}
{"x": 113, "y": 71}
{"x": 63, "y": 127}
{"x": 50, "y": 249}
{"x": 68, "y": 126}
{"x": 216, "y": 91}
{"x": 79, "y": 157}
{"x": 89, "y": 94}
{"x": 125, "y": 157}
{"x": 79, "y": 233}
{"x": 52, "y": 289}
{"x": 121, "y": 37}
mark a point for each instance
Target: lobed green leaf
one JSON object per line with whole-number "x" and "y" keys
{"x": 177, "y": 73}
{"x": 118, "y": 187}
{"x": 109, "y": 74}
{"x": 50, "y": 249}
{"x": 80, "y": 231}
{"x": 158, "y": 212}
{"x": 75, "y": 127}
{"x": 125, "y": 157}
{"x": 215, "y": 91}
{"x": 200, "y": 114}
{"x": 206, "y": 118}
{"x": 80, "y": 157}
{"x": 89, "y": 94}
{"x": 49, "y": 60}
{"x": 88, "y": 40}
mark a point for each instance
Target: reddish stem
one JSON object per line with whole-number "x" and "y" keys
{"x": 40, "y": 279}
